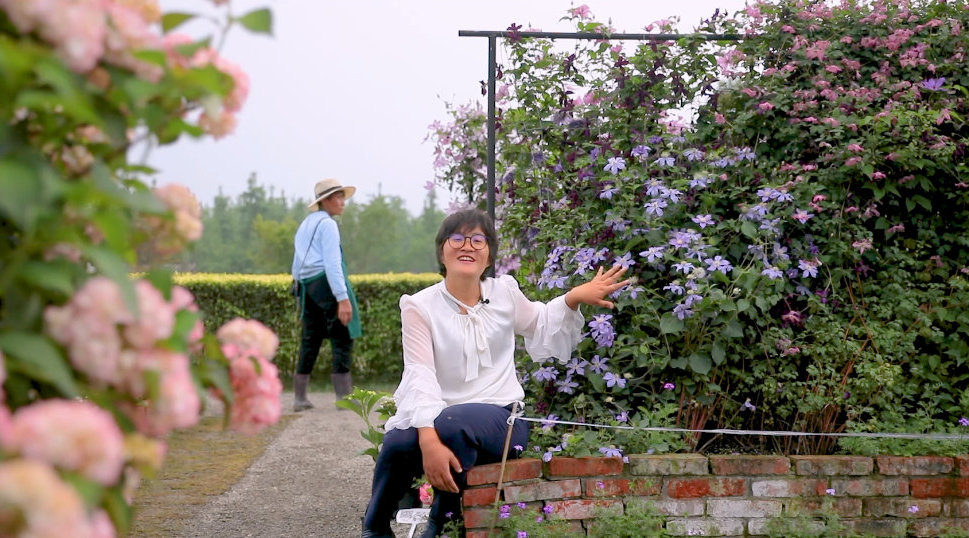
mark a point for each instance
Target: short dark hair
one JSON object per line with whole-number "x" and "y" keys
{"x": 462, "y": 222}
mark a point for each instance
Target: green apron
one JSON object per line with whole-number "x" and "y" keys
{"x": 354, "y": 327}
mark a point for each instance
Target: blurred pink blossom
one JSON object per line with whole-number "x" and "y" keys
{"x": 240, "y": 81}
{"x": 862, "y": 245}
{"x": 156, "y": 318}
{"x": 188, "y": 213}
{"x": 128, "y": 32}
{"x": 177, "y": 404}
{"x": 728, "y": 60}
{"x": 46, "y": 506}
{"x": 218, "y": 124}
{"x": 249, "y": 337}
{"x": 256, "y": 393}
{"x": 817, "y": 50}
{"x": 63, "y": 250}
{"x": 581, "y": 12}
{"x": 73, "y": 435}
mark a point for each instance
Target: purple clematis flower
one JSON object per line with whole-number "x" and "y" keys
{"x": 933, "y": 84}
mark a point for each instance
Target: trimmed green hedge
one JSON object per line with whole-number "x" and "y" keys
{"x": 376, "y": 356}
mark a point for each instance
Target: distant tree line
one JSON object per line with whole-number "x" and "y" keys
{"x": 253, "y": 233}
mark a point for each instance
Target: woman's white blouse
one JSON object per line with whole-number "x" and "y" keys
{"x": 452, "y": 358}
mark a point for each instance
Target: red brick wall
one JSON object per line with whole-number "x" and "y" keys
{"x": 736, "y": 495}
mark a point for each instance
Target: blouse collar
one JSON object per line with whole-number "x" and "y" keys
{"x": 477, "y": 352}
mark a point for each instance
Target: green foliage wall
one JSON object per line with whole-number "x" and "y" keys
{"x": 376, "y": 356}
{"x": 794, "y": 206}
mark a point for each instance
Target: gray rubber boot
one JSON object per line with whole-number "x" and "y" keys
{"x": 342, "y": 384}
{"x": 300, "y": 402}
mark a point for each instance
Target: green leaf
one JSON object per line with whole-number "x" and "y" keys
{"x": 161, "y": 279}
{"x": 670, "y": 324}
{"x": 742, "y": 305}
{"x": 259, "y": 21}
{"x": 700, "y": 363}
{"x": 733, "y": 329}
{"x": 218, "y": 376}
{"x": 173, "y": 20}
{"x": 89, "y": 490}
{"x": 748, "y": 229}
{"x": 53, "y": 276}
{"x": 718, "y": 353}
{"x": 156, "y": 57}
{"x": 923, "y": 201}
{"x": 22, "y": 191}
{"x": 118, "y": 509}
{"x": 189, "y": 49}
{"x": 679, "y": 362}
{"x": 35, "y": 356}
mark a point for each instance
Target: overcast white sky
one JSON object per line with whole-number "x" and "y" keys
{"x": 347, "y": 88}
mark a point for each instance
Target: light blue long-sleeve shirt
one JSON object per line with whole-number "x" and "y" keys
{"x": 323, "y": 254}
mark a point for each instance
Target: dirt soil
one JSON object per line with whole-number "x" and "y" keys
{"x": 311, "y": 481}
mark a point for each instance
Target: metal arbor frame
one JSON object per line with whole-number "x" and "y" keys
{"x": 493, "y": 36}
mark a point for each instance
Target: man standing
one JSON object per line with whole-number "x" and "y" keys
{"x": 328, "y": 306}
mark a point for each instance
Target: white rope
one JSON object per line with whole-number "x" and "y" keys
{"x": 889, "y": 435}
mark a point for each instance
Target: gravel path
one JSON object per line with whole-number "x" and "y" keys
{"x": 310, "y": 481}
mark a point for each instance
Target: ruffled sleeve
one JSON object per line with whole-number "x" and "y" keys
{"x": 418, "y": 397}
{"x": 550, "y": 329}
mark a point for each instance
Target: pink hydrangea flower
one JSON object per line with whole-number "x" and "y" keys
{"x": 256, "y": 394}
{"x": 177, "y": 404}
{"x": 186, "y": 209}
{"x": 128, "y": 32}
{"x": 232, "y": 102}
{"x": 46, "y": 505}
{"x": 73, "y": 435}
{"x": 218, "y": 124}
{"x": 156, "y": 318}
{"x": 248, "y": 337}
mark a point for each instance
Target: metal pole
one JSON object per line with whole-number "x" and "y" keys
{"x": 606, "y": 37}
{"x": 492, "y": 66}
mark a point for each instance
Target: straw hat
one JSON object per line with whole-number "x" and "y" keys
{"x": 329, "y": 186}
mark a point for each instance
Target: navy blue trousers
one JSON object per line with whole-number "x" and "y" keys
{"x": 476, "y": 435}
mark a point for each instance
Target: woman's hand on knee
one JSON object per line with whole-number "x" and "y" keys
{"x": 439, "y": 460}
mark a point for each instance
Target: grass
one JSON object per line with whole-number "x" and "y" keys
{"x": 202, "y": 462}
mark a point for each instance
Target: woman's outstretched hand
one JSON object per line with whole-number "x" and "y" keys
{"x": 594, "y": 292}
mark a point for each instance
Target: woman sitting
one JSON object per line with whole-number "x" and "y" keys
{"x": 459, "y": 381}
